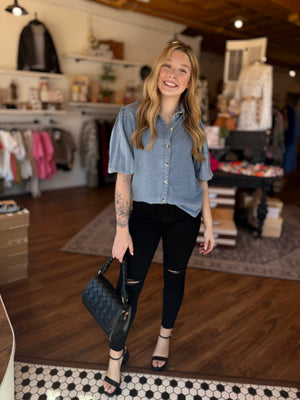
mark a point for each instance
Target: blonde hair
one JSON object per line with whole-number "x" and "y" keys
{"x": 149, "y": 108}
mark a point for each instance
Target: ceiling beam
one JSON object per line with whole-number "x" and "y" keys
{"x": 291, "y": 5}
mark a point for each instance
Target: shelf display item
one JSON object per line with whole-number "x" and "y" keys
{"x": 79, "y": 88}
{"x": 94, "y": 96}
{"x": 108, "y": 77}
{"x": 212, "y": 134}
{"x": 203, "y": 87}
{"x": 13, "y": 91}
{"x": 34, "y": 102}
{"x": 106, "y": 48}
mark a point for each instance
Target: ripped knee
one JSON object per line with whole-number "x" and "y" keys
{"x": 132, "y": 282}
{"x": 173, "y": 271}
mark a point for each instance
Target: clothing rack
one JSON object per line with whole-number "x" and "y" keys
{"x": 10, "y": 123}
{"x": 97, "y": 114}
{"x": 34, "y": 122}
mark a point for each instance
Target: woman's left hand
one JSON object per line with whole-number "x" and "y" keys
{"x": 209, "y": 242}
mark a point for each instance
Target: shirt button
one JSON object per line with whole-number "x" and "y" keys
{"x": 168, "y": 145}
{"x": 166, "y": 164}
{"x": 172, "y": 129}
{"x": 165, "y": 182}
{"x": 163, "y": 199}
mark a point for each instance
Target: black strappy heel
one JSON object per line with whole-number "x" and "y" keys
{"x": 160, "y": 358}
{"x": 110, "y": 381}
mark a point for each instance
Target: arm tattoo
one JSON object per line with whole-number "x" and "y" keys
{"x": 122, "y": 210}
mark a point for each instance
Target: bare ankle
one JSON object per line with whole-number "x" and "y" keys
{"x": 113, "y": 354}
{"x": 165, "y": 333}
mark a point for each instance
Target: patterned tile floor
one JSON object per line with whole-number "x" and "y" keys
{"x": 44, "y": 382}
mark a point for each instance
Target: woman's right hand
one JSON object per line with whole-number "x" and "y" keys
{"x": 122, "y": 242}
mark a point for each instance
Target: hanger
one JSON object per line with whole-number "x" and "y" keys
{"x": 57, "y": 131}
{"x": 35, "y": 21}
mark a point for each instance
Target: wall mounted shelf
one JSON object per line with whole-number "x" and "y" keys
{"x": 82, "y": 57}
{"x": 109, "y": 106}
{"x": 31, "y": 74}
{"x": 31, "y": 112}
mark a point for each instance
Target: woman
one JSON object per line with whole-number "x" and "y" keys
{"x": 160, "y": 154}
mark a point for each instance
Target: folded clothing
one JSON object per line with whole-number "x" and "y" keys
{"x": 245, "y": 168}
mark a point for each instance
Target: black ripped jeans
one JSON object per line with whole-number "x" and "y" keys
{"x": 178, "y": 230}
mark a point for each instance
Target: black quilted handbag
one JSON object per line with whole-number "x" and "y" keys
{"x": 109, "y": 307}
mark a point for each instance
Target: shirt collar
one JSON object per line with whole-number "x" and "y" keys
{"x": 181, "y": 109}
{"x": 179, "y": 113}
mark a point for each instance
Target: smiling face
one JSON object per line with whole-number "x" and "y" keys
{"x": 175, "y": 74}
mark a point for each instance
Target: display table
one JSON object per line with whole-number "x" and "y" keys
{"x": 7, "y": 355}
{"x": 251, "y": 182}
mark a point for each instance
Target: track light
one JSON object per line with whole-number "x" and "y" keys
{"x": 16, "y": 10}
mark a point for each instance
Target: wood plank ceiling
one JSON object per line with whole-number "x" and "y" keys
{"x": 278, "y": 20}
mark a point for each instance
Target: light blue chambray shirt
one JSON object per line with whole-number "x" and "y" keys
{"x": 167, "y": 174}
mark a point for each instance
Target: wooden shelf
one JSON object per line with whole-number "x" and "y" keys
{"x": 31, "y": 74}
{"x": 82, "y": 57}
{"x": 78, "y": 104}
{"x": 31, "y": 112}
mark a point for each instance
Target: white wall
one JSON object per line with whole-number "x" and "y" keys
{"x": 212, "y": 67}
{"x": 69, "y": 23}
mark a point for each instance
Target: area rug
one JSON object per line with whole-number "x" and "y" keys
{"x": 46, "y": 382}
{"x": 266, "y": 257}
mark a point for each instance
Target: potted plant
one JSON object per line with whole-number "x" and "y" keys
{"x": 107, "y": 78}
{"x": 107, "y": 95}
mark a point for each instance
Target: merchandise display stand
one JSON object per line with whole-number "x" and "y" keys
{"x": 256, "y": 142}
{"x": 7, "y": 355}
{"x": 250, "y": 182}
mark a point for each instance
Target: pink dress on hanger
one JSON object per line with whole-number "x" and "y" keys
{"x": 43, "y": 155}
{"x": 49, "y": 154}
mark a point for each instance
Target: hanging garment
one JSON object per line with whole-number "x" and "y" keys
{"x": 104, "y": 129}
{"x": 33, "y": 183}
{"x": 22, "y": 156}
{"x": 36, "y": 49}
{"x": 9, "y": 145}
{"x": 276, "y": 147}
{"x": 43, "y": 154}
{"x": 89, "y": 152}
{"x": 64, "y": 148}
{"x": 292, "y": 134}
{"x": 254, "y": 92}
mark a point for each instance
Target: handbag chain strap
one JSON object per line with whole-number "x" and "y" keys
{"x": 104, "y": 268}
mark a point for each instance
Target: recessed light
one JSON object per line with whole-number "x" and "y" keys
{"x": 238, "y": 23}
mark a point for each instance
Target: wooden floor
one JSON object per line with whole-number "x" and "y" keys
{"x": 229, "y": 325}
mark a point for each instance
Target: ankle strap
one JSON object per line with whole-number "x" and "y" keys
{"x": 165, "y": 337}
{"x": 116, "y": 359}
